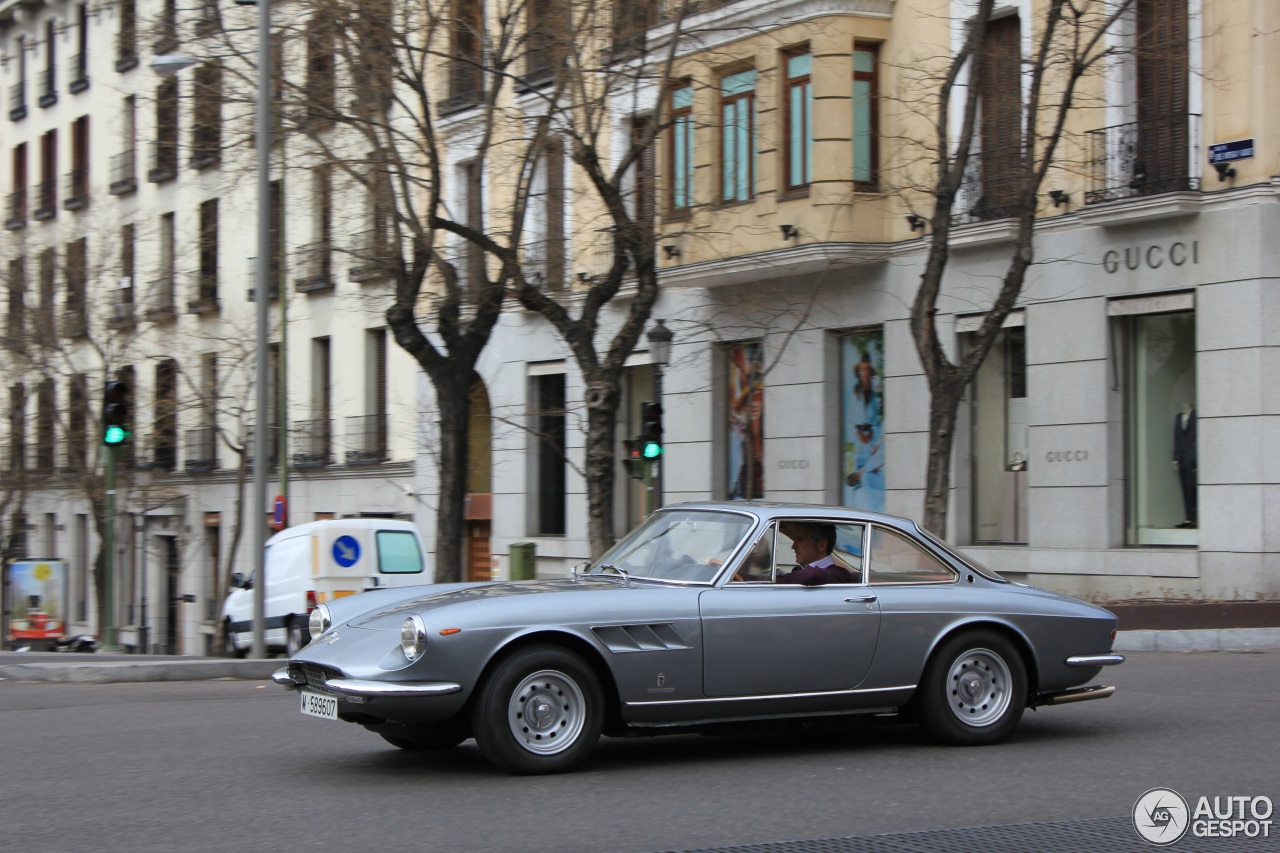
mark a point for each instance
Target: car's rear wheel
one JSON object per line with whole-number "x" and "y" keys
{"x": 229, "y": 642}
{"x": 974, "y": 689}
{"x": 541, "y": 710}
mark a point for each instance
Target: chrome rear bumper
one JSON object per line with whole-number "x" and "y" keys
{"x": 1075, "y": 694}
{"x": 1095, "y": 660}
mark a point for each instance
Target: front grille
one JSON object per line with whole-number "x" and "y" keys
{"x": 312, "y": 674}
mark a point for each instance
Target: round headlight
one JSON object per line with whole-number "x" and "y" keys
{"x": 413, "y": 637}
{"x": 320, "y": 621}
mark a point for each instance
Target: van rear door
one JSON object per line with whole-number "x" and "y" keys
{"x": 400, "y": 561}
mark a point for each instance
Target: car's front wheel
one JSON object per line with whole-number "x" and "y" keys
{"x": 974, "y": 689}
{"x": 541, "y": 710}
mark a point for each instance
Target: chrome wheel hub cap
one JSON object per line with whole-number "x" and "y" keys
{"x": 546, "y": 712}
{"x": 978, "y": 687}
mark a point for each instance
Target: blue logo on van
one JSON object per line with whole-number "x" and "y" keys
{"x": 346, "y": 551}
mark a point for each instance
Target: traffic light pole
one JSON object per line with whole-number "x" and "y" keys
{"x": 109, "y": 638}
{"x": 657, "y": 393}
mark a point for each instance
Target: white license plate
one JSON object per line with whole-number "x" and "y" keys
{"x": 316, "y": 705}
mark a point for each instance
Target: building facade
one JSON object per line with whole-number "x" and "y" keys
{"x": 128, "y": 255}
{"x": 1115, "y": 443}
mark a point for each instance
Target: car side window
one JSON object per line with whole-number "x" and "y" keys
{"x": 846, "y": 553}
{"x": 758, "y": 565}
{"x": 896, "y": 559}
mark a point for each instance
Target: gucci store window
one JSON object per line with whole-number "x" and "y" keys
{"x": 1000, "y": 436}
{"x": 1160, "y": 423}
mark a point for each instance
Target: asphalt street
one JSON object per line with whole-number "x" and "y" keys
{"x": 232, "y": 765}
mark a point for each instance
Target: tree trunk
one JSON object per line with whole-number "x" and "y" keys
{"x": 453, "y": 402}
{"x": 602, "y": 419}
{"x": 944, "y": 406}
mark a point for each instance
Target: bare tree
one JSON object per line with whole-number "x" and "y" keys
{"x": 1069, "y": 43}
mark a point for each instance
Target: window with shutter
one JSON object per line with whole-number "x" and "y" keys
{"x": 1000, "y": 140}
{"x": 1160, "y": 156}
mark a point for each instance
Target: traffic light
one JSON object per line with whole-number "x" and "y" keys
{"x": 115, "y": 413}
{"x": 632, "y": 460}
{"x": 651, "y": 431}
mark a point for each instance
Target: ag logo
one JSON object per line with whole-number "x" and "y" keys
{"x": 1161, "y": 816}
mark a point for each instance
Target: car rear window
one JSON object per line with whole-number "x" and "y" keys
{"x": 398, "y": 553}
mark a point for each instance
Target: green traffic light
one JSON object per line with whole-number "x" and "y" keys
{"x": 652, "y": 450}
{"x": 115, "y": 435}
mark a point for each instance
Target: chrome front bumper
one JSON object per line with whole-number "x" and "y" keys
{"x": 1095, "y": 660}
{"x": 357, "y": 688}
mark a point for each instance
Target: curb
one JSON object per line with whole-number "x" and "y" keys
{"x": 117, "y": 671}
{"x": 1199, "y": 640}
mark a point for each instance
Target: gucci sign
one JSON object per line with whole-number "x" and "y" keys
{"x": 1066, "y": 456}
{"x": 1151, "y": 257}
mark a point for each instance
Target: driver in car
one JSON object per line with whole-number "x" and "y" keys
{"x": 813, "y": 543}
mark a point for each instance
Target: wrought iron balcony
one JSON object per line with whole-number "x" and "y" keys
{"x": 371, "y": 256}
{"x": 124, "y": 172}
{"x": 314, "y": 264}
{"x": 75, "y": 324}
{"x": 79, "y": 73}
{"x": 48, "y": 87}
{"x": 273, "y": 445}
{"x": 126, "y": 52}
{"x": 989, "y": 187}
{"x": 46, "y": 201}
{"x": 205, "y": 300}
{"x": 544, "y": 264}
{"x": 1143, "y": 158}
{"x": 16, "y": 211}
{"x": 18, "y": 101}
{"x": 121, "y": 312}
{"x": 200, "y": 450}
{"x": 206, "y": 146}
{"x": 159, "y": 452}
{"x": 77, "y": 195}
{"x": 164, "y": 161}
{"x": 273, "y": 290}
{"x": 366, "y": 439}
{"x": 312, "y": 442}
{"x": 159, "y": 303}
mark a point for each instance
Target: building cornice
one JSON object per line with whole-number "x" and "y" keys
{"x": 776, "y": 263}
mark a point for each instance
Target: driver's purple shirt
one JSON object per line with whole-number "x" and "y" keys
{"x": 818, "y": 572}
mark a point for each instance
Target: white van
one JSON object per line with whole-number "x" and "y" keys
{"x": 318, "y": 562}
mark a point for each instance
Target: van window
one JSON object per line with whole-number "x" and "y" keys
{"x": 398, "y": 553}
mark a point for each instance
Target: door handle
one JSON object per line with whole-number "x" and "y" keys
{"x": 858, "y": 599}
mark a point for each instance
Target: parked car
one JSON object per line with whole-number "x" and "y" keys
{"x": 317, "y": 562}
{"x": 683, "y": 626}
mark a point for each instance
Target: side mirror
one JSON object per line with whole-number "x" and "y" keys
{"x": 237, "y": 580}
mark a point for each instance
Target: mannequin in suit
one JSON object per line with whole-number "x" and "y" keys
{"x": 1185, "y": 462}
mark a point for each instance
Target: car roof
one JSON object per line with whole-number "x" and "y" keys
{"x": 769, "y": 510}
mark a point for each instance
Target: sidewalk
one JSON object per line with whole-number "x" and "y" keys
{"x": 1237, "y": 626}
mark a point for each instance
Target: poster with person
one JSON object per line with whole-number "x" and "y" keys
{"x": 862, "y": 480}
{"x": 38, "y": 604}
{"x": 746, "y": 422}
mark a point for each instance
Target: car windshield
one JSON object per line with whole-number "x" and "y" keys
{"x": 683, "y": 545}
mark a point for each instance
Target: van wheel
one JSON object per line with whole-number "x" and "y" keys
{"x": 229, "y": 642}
{"x": 295, "y": 638}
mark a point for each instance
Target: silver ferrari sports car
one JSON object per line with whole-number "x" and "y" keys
{"x": 705, "y": 616}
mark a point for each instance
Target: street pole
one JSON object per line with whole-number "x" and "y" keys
{"x": 260, "y": 434}
{"x": 109, "y": 637}
{"x": 657, "y": 395}
{"x": 659, "y": 356}
{"x": 144, "y": 633}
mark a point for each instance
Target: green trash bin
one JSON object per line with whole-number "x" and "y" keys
{"x": 524, "y": 560}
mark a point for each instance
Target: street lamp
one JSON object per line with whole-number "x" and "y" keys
{"x": 659, "y": 356}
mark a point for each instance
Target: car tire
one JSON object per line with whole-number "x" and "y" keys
{"x": 229, "y": 642}
{"x": 296, "y": 636}
{"x": 540, "y": 710}
{"x": 974, "y": 689}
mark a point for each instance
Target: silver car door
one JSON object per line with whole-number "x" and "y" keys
{"x": 763, "y": 638}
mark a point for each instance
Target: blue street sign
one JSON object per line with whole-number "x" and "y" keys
{"x": 346, "y": 551}
{"x": 1225, "y": 152}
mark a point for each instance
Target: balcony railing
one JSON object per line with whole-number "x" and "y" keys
{"x": 366, "y": 439}
{"x": 160, "y": 299}
{"x": 1143, "y": 158}
{"x": 77, "y": 189}
{"x": 990, "y": 186}
{"x": 18, "y": 101}
{"x": 75, "y": 323}
{"x": 544, "y": 263}
{"x": 48, "y": 87}
{"x": 164, "y": 161}
{"x": 16, "y": 210}
{"x": 121, "y": 311}
{"x": 200, "y": 450}
{"x": 273, "y": 291}
{"x": 124, "y": 172}
{"x": 314, "y": 266}
{"x": 312, "y": 443}
{"x": 46, "y": 200}
{"x": 126, "y": 52}
{"x": 371, "y": 255}
{"x": 273, "y": 445}
{"x": 159, "y": 452}
{"x": 205, "y": 300}
{"x": 79, "y": 73}
{"x": 206, "y": 146}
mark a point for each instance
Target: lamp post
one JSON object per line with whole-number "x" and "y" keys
{"x": 659, "y": 356}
